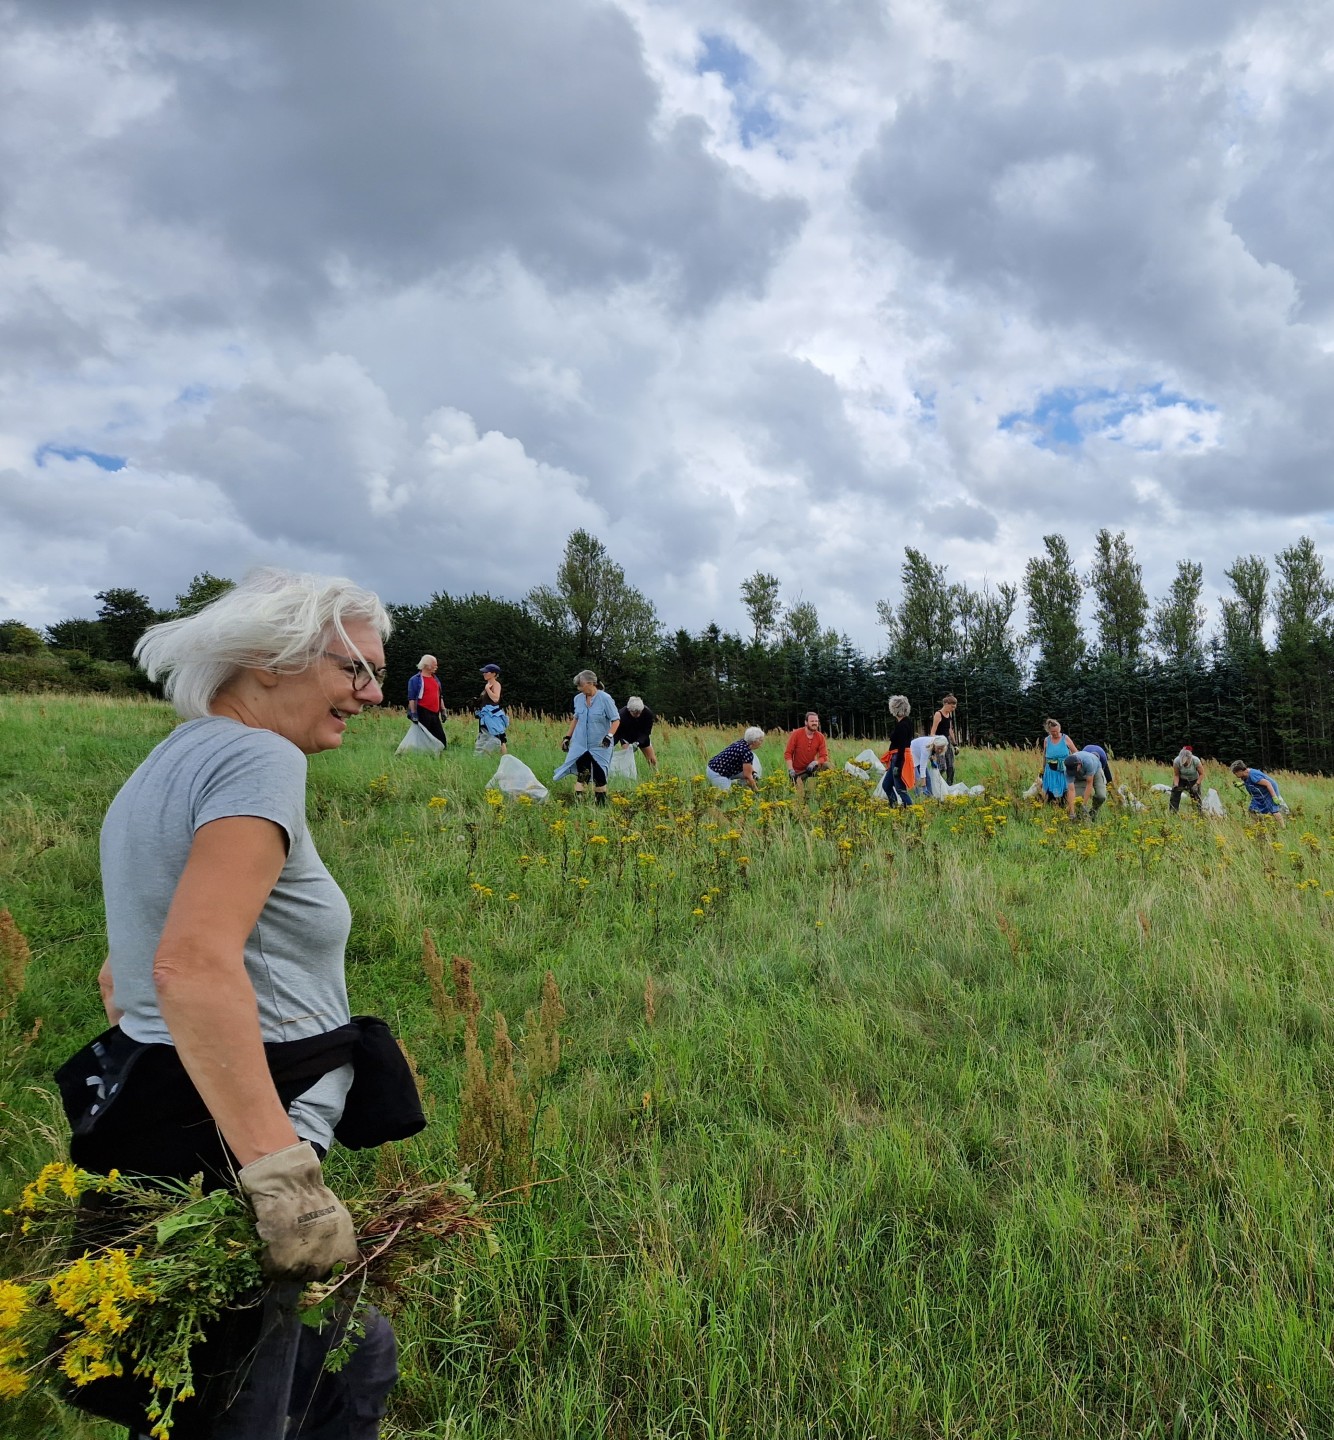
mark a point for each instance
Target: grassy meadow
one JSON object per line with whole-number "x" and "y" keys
{"x": 953, "y": 1122}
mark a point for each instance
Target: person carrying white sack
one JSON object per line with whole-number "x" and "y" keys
{"x": 736, "y": 762}
{"x": 929, "y": 754}
{"x": 588, "y": 741}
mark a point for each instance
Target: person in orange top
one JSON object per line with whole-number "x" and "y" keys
{"x": 807, "y": 751}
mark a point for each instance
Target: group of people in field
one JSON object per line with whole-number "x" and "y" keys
{"x": 915, "y": 766}
{"x": 1066, "y": 766}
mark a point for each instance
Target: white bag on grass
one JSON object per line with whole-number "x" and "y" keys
{"x": 1161, "y": 788}
{"x": 418, "y": 741}
{"x": 514, "y": 778}
{"x": 623, "y": 766}
{"x": 1033, "y": 791}
{"x": 1212, "y": 805}
{"x": 936, "y": 787}
{"x": 976, "y": 790}
{"x": 485, "y": 744}
{"x": 871, "y": 761}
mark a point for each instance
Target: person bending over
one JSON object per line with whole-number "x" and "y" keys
{"x": 636, "y": 728}
{"x": 734, "y": 763}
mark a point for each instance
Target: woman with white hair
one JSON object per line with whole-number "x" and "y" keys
{"x": 424, "y": 705}
{"x": 897, "y": 760}
{"x": 736, "y": 762}
{"x": 232, "y": 1051}
{"x": 636, "y": 728}
{"x": 587, "y": 742}
{"x": 929, "y": 755}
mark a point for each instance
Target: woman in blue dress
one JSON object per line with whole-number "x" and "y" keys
{"x": 1056, "y": 751}
{"x": 1265, "y": 799}
{"x": 587, "y": 743}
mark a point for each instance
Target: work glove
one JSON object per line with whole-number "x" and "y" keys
{"x": 305, "y": 1228}
{"x": 606, "y": 741}
{"x": 565, "y": 744}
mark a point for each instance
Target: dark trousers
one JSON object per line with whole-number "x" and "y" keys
{"x": 1191, "y": 789}
{"x": 948, "y": 765}
{"x": 429, "y": 720}
{"x": 893, "y": 786}
{"x": 347, "y": 1404}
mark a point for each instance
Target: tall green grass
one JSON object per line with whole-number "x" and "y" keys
{"x": 957, "y": 1123}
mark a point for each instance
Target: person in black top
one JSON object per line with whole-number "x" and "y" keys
{"x": 942, "y": 723}
{"x": 636, "y": 728}
{"x": 900, "y": 741}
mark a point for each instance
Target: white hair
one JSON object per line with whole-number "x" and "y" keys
{"x": 940, "y": 742}
{"x": 899, "y": 707}
{"x": 634, "y": 705}
{"x": 427, "y": 660}
{"x": 274, "y": 620}
{"x": 753, "y": 734}
{"x": 585, "y": 677}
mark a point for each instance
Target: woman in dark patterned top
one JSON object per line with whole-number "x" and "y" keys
{"x": 736, "y": 761}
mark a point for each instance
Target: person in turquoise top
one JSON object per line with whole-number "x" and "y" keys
{"x": 1056, "y": 752}
{"x": 1265, "y": 799}
{"x": 588, "y": 740}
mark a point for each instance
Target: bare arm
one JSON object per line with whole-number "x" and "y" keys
{"x": 105, "y": 985}
{"x": 204, "y": 993}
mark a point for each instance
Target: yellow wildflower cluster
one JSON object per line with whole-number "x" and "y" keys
{"x": 101, "y": 1293}
{"x": 15, "y": 1303}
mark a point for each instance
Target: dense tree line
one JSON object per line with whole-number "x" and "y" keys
{"x": 1146, "y": 681}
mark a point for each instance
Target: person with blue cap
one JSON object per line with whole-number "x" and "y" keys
{"x": 491, "y": 719}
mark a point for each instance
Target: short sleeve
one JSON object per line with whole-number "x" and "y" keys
{"x": 259, "y": 774}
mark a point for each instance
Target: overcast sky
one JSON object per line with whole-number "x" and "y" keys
{"x": 408, "y": 290}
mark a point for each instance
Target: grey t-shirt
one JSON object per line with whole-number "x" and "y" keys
{"x": 208, "y": 770}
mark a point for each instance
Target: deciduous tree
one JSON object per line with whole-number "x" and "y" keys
{"x": 1122, "y": 612}
{"x": 1052, "y": 589}
{"x": 1178, "y": 621}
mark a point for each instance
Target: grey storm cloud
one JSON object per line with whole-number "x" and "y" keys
{"x": 406, "y": 138}
{"x": 410, "y": 290}
{"x": 1285, "y": 210}
{"x": 1082, "y": 200}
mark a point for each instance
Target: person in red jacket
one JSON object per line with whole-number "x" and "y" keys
{"x": 807, "y": 752}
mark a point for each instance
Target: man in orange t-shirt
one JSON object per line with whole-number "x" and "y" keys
{"x": 807, "y": 751}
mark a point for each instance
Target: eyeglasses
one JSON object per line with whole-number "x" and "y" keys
{"x": 363, "y": 676}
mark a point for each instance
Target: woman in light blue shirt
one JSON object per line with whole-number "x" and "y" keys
{"x": 588, "y": 740}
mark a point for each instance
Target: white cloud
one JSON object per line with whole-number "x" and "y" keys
{"x": 412, "y": 293}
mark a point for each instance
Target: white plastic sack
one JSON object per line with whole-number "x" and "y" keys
{"x": 485, "y": 744}
{"x": 976, "y": 790}
{"x": 622, "y": 765}
{"x": 514, "y": 778}
{"x": 936, "y": 787}
{"x": 1212, "y": 805}
{"x": 1130, "y": 802}
{"x": 418, "y": 741}
{"x": 1033, "y": 791}
{"x": 869, "y": 759}
{"x": 1162, "y": 789}
{"x": 757, "y": 767}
